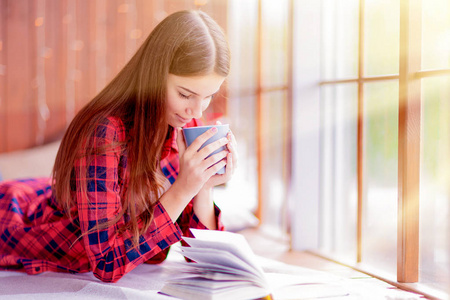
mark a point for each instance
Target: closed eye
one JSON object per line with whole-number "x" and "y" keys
{"x": 183, "y": 95}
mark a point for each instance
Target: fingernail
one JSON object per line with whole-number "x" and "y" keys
{"x": 214, "y": 129}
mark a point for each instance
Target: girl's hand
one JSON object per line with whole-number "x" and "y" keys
{"x": 196, "y": 168}
{"x": 232, "y": 161}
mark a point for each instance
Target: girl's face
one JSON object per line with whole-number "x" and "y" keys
{"x": 188, "y": 97}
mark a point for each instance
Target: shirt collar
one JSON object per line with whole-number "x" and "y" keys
{"x": 170, "y": 144}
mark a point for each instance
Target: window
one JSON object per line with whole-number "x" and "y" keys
{"x": 372, "y": 77}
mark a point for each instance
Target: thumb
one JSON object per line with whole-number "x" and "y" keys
{"x": 180, "y": 141}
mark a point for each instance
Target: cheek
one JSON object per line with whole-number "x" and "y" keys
{"x": 205, "y": 104}
{"x": 171, "y": 103}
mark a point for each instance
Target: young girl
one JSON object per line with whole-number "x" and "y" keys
{"x": 124, "y": 186}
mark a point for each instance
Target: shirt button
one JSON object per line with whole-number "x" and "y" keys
{"x": 37, "y": 269}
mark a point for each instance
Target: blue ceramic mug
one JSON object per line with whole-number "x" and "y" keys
{"x": 191, "y": 133}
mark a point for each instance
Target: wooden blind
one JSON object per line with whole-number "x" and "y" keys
{"x": 55, "y": 55}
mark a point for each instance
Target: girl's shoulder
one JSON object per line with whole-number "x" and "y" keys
{"x": 111, "y": 128}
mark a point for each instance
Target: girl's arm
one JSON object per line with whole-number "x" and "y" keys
{"x": 203, "y": 203}
{"x": 195, "y": 171}
{"x": 192, "y": 161}
{"x": 204, "y": 208}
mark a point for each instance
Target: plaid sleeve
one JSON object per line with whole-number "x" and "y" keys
{"x": 189, "y": 219}
{"x": 112, "y": 255}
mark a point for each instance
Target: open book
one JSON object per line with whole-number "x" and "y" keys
{"x": 227, "y": 268}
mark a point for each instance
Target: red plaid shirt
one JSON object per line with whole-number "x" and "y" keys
{"x": 36, "y": 236}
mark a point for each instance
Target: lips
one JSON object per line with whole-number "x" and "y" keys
{"x": 183, "y": 120}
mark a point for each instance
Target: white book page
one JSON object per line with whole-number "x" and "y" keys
{"x": 206, "y": 268}
{"x": 219, "y": 257}
{"x": 224, "y": 240}
{"x": 196, "y": 293}
{"x": 232, "y": 249}
{"x": 214, "y": 271}
{"x": 204, "y": 283}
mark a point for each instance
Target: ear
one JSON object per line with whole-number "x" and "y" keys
{"x": 180, "y": 141}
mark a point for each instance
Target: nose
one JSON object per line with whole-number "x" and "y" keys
{"x": 195, "y": 110}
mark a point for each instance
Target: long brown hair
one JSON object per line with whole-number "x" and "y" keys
{"x": 186, "y": 43}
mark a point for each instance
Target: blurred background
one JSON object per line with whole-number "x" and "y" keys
{"x": 341, "y": 110}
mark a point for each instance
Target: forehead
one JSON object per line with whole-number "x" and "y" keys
{"x": 204, "y": 85}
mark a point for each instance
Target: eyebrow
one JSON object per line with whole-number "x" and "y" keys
{"x": 188, "y": 90}
{"x": 192, "y": 92}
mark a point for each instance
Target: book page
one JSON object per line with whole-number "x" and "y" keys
{"x": 214, "y": 271}
{"x": 228, "y": 241}
{"x": 246, "y": 258}
{"x": 220, "y": 257}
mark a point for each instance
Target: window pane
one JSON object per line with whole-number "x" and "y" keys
{"x": 379, "y": 232}
{"x": 242, "y": 33}
{"x": 435, "y": 184}
{"x": 241, "y": 191}
{"x": 381, "y": 37}
{"x": 273, "y": 161}
{"x": 274, "y": 42}
{"x": 238, "y": 198}
{"x": 436, "y": 34}
{"x": 338, "y": 200}
{"x": 340, "y": 23}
